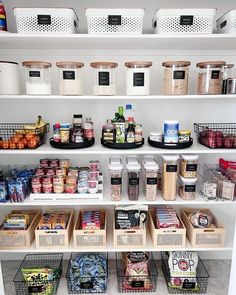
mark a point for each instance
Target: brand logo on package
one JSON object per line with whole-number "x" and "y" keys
{"x": 68, "y": 75}
{"x": 186, "y": 20}
{"x": 44, "y": 19}
{"x": 114, "y": 20}
{"x": 179, "y": 75}
{"x": 103, "y": 78}
{"x": 138, "y": 79}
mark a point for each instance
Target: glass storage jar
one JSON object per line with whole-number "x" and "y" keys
{"x": 187, "y": 188}
{"x": 37, "y": 77}
{"x": 133, "y": 168}
{"x": 231, "y": 85}
{"x": 169, "y": 176}
{"x": 70, "y": 75}
{"x": 138, "y": 77}
{"x": 176, "y": 75}
{"x": 151, "y": 169}
{"x": 210, "y": 77}
{"x": 104, "y": 78}
{"x": 228, "y": 72}
{"x": 116, "y": 169}
{"x": 188, "y": 165}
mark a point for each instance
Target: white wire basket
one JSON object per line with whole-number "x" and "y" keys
{"x": 115, "y": 21}
{"x": 46, "y": 20}
{"x": 169, "y": 21}
{"x": 227, "y": 23}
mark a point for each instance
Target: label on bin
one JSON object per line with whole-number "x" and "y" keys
{"x": 188, "y": 285}
{"x": 190, "y": 188}
{"x": 171, "y": 168}
{"x": 133, "y": 181}
{"x": 152, "y": 180}
{"x": 186, "y": 20}
{"x": 215, "y": 74}
{"x": 34, "y": 74}
{"x": 35, "y": 289}
{"x": 191, "y": 167}
{"x": 103, "y": 78}
{"x": 222, "y": 25}
{"x": 137, "y": 284}
{"x": 138, "y": 79}
{"x": 179, "y": 75}
{"x": 86, "y": 285}
{"x": 68, "y": 75}
{"x": 44, "y": 20}
{"x": 114, "y": 20}
{"x": 115, "y": 181}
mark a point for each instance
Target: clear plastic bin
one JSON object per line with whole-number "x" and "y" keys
{"x": 116, "y": 169}
{"x": 150, "y": 177}
{"x": 187, "y": 188}
{"x": 133, "y": 168}
{"x": 188, "y": 165}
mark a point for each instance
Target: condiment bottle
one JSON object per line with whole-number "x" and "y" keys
{"x": 56, "y": 132}
{"x": 3, "y": 18}
{"x": 120, "y": 126}
{"x": 88, "y": 130}
{"x": 130, "y": 131}
{"x": 138, "y": 133}
{"x": 109, "y": 132}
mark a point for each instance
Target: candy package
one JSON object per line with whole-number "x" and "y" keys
{"x": 131, "y": 216}
{"x": 201, "y": 219}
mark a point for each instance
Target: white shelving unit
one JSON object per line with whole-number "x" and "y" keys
{"x": 151, "y": 110}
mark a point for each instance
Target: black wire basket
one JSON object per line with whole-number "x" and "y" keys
{"x": 9, "y": 130}
{"x": 37, "y": 285}
{"x": 84, "y": 284}
{"x": 137, "y": 284}
{"x": 199, "y": 287}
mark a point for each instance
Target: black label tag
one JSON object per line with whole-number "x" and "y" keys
{"x": 116, "y": 181}
{"x": 152, "y": 180}
{"x": 138, "y": 79}
{"x": 179, "y": 75}
{"x": 34, "y": 74}
{"x": 68, "y": 75}
{"x": 35, "y": 289}
{"x": 190, "y": 188}
{"x": 215, "y": 74}
{"x": 104, "y": 78}
{"x": 188, "y": 285}
{"x": 191, "y": 167}
{"x": 186, "y": 20}
{"x": 222, "y": 25}
{"x": 114, "y": 20}
{"x": 133, "y": 181}
{"x": 44, "y": 20}
{"x": 171, "y": 168}
{"x": 137, "y": 284}
{"x": 86, "y": 285}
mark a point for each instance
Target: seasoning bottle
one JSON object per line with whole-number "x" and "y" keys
{"x": 88, "y": 130}
{"x": 109, "y": 131}
{"x": 228, "y": 71}
{"x": 120, "y": 126}
{"x": 56, "y": 132}
{"x": 138, "y": 133}
{"x": 3, "y": 18}
{"x": 131, "y": 131}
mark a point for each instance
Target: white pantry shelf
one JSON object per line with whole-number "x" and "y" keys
{"x": 139, "y": 42}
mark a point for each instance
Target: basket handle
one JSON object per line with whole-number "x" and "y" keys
{"x": 130, "y": 231}
{"x": 209, "y": 230}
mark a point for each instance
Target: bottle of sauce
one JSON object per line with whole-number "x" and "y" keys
{"x": 120, "y": 126}
{"x": 109, "y": 132}
{"x": 88, "y": 130}
{"x": 3, "y": 18}
{"x": 56, "y": 132}
{"x": 131, "y": 131}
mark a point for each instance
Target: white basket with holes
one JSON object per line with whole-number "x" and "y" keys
{"x": 227, "y": 23}
{"x": 169, "y": 21}
{"x": 46, "y": 20}
{"x": 115, "y": 21}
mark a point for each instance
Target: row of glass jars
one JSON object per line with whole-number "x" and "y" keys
{"x": 214, "y": 77}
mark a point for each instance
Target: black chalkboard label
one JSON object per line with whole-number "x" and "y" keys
{"x": 222, "y": 25}
{"x": 44, "y": 20}
{"x": 137, "y": 284}
{"x": 215, "y": 74}
{"x": 190, "y": 188}
{"x": 186, "y": 20}
{"x": 68, "y": 75}
{"x": 133, "y": 181}
{"x": 191, "y": 167}
{"x": 114, "y": 20}
{"x": 138, "y": 79}
{"x": 86, "y": 285}
{"x": 116, "y": 181}
{"x": 35, "y": 289}
{"x": 189, "y": 285}
{"x": 152, "y": 180}
{"x": 171, "y": 168}
{"x": 103, "y": 78}
{"x": 34, "y": 74}
{"x": 179, "y": 75}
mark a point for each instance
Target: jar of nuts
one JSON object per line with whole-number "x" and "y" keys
{"x": 188, "y": 165}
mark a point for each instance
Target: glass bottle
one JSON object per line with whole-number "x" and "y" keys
{"x": 88, "y": 130}
{"x": 121, "y": 117}
{"x": 56, "y": 132}
{"x": 131, "y": 131}
{"x": 108, "y": 131}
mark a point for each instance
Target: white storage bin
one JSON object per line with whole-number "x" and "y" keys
{"x": 184, "y": 21}
{"x": 46, "y": 20}
{"x": 121, "y": 21}
{"x": 227, "y": 23}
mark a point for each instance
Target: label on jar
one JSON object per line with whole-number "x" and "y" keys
{"x": 189, "y": 285}
{"x": 152, "y": 180}
{"x": 133, "y": 181}
{"x": 190, "y": 188}
{"x": 215, "y": 74}
{"x": 130, "y": 137}
{"x": 86, "y": 285}
{"x": 116, "y": 181}
{"x": 34, "y": 74}
{"x": 137, "y": 284}
{"x": 44, "y": 20}
{"x": 138, "y": 79}
{"x": 104, "y": 78}
{"x": 191, "y": 167}
{"x": 179, "y": 75}
{"x": 114, "y": 20}
{"x": 186, "y": 20}
{"x": 68, "y": 75}
{"x": 171, "y": 168}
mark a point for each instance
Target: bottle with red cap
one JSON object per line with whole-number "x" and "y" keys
{"x": 3, "y": 18}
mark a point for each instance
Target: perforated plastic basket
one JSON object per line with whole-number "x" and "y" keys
{"x": 227, "y": 23}
{"x": 201, "y": 21}
{"x": 113, "y": 21}
{"x": 46, "y": 20}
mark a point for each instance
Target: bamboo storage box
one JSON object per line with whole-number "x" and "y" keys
{"x": 134, "y": 238}
{"x": 90, "y": 238}
{"x": 166, "y": 237}
{"x": 200, "y": 237}
{"x": 20, "y": 239}
{"x": 51, "y": 238}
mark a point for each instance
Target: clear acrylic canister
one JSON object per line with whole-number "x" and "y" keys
{"x": 210, "y": 77}
{"x": 116, "y": 169}
{"x": 133, "y": 169}
{"x": 151, "y": 169}
{"x": 104, "y": 82}
{"x": 187, "y": 188}
{"x": 228, "y": 72}
{"x": 38, "y": 80}
{"x": 70, "y": 77}
{"x": 169, "y": 176}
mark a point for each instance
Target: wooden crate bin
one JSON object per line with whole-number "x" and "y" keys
{"x": 133, "y": 238}
{"x": 166, "y": 237}
{"x": 52, "y": 238}
{"x": 20, "y": 239}
{"x": 84, "y": 239}
{"x": 200, "y": 237}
